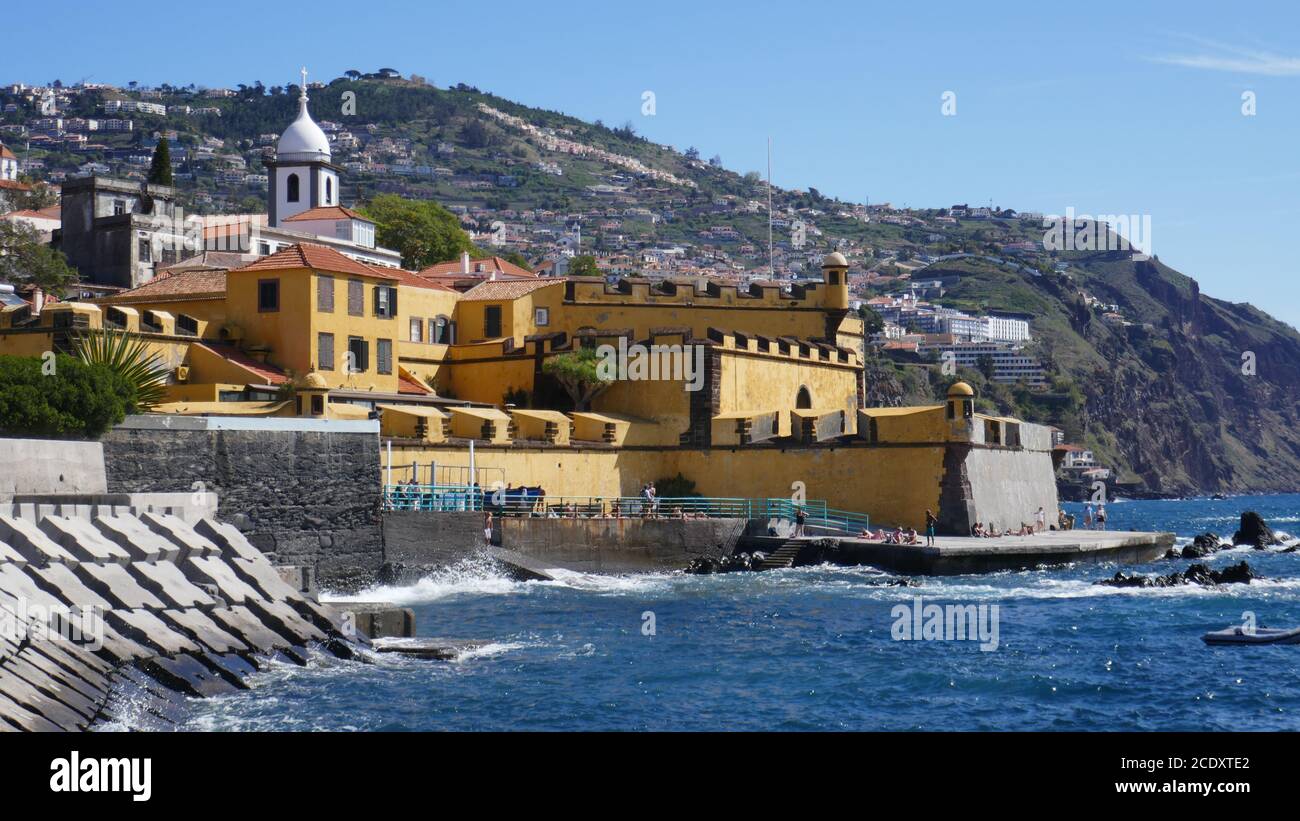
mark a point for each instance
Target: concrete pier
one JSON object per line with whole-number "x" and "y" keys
{"x": 954, "y": 555}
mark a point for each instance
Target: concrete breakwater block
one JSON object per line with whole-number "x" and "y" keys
{"x": 83, "y": 541}
{"x": 171, "y": 609}
{"x": 137, "y": 540}
{"x": 166, "y": 581}
{"x": 426, "y": 648}
{"x": 376, "y": 620}
{"x": 32, "y": 543}
{"x": 203, "y": 630}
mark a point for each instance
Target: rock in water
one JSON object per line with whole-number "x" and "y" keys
{"x": 1254, "y": 531}
{"x": 1196, "y": 574}
{"x": 1202, "y": 546}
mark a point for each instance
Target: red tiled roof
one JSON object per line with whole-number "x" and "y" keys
{"x": 42, "y": 214}
{"x": 506, "y": 289}
{"x": 195, "y": 283}
{"x": 14, "y": 185}
{"x": 272, "y": 374}
{"x": 316, "y": 258}
{"x": 412, "y": 279}
{"x": 407, "y": 385}
{"x": 328, "y": 212}
{"x": 491, "y": 264}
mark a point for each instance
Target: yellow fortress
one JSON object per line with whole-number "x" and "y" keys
{"x": 774, "y": 407}
{"x": 752, "y": 392}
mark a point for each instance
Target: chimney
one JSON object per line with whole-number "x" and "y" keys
{"x": 464, "y": 262}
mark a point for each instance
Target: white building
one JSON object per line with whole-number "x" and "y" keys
{"x": 1002, "y": 329}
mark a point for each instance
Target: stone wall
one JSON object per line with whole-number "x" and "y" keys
{"x": 304, "y": 492}
{"x": 620, "y": 545}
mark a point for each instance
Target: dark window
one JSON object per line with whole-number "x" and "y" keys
{"x": 833, "y": 277}
{"x": 325, "y": 294}
{"x": 291, "y": 188}
{"x": 356, "y": 297}
{"x": 145, "y": 250}
{"x": 385, "y": 301}
{"x": 384, "y": 355}
{"x": 492, "y": 321}
{"x": 268, "y": 295}
{"x": 438, "y": 330}
{"x": 360, "y": 354}
{"x": 329, "y": 190}
{"x": 186, "y": 324}
{"x": 417, "y": 329}
{"x": 119, "y": 207}
{"x": 317, "y": 404}
{"x": 325, "y": 352}
{"x": 803, "y": 400}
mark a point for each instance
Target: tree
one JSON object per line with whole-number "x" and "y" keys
{"x": 128, "y": 356}
{"x": 26, "y": 260}
{"x": 38, "y": 196}
{"x": 584, "y": 266}
{"x": 577, "y": 373}
{"x": 160, "y": 169}
{"x": 72, "y": 398}
{"x": 422, "y": 230}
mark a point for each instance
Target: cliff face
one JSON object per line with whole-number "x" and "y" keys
{"x": 1181, "y": 393}
{"x": 1202, "y": 394}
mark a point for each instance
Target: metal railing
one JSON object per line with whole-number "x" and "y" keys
{"x": 525, "y": 502}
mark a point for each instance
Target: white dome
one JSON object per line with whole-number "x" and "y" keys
{"x": 303, "y": 139}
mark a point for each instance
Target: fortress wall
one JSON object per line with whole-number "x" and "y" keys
{"x": 894, "y": 485}
{"x": 303, "y": 491}
{"x": 1008, "y": 486}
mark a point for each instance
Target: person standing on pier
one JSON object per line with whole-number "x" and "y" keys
{"x": 487, "y": 528}
{"x": 1087, "y": 517}
{"x": 1040, "y": 520}
{"x": 799, "y": 519}
{"x": 1101, "y": 516}
{"x": 931, "y": 522}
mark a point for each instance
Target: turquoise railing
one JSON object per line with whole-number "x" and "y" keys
{"x": 508, "y": 502}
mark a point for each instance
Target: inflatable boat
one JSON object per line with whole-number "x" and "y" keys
{"x": 1259, "y": 635}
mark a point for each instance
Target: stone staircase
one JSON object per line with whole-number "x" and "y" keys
{"x": 98, "y": 600}
{"x": 783, "y": 556}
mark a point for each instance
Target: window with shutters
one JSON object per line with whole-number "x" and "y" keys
{"x": 417, "y": 329}
{"x": 325, "y": 294}
{"x": 268, "y": 295}
{"x": 356, "y": 297}
{"x": 385, "y": 302}
{"x": 492, "y": 321}
{"x": 384, "y": 355}
{"x": 325, "y": 352}
{"x": 359, "y": 354}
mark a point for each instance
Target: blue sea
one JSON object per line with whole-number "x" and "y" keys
{"x": 814, "y": 649}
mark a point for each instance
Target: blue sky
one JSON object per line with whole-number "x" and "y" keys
{"x": 1112, "y": 108}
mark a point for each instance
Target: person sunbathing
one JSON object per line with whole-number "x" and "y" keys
{"x": 978, "y": 530}
{"x": 912, "y": 536}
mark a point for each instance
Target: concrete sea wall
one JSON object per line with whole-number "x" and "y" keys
{"x": 416, "y": 542}
{"x": 305, "y": 492}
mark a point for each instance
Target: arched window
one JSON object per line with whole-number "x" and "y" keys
{"x": 291, "y": 188}
{"x": 803, "y": 400}
{"x": 329, "y": 190}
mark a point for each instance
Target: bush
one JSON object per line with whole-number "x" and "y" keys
{"x": 75, "y": 400}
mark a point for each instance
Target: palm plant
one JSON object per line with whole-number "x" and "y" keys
{"x": 129, "y": 356}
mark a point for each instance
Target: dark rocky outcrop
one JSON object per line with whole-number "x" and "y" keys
{"x": 1196, "y": 574}
{"x": 1203, "y": 545}
{"x": 1254, "y": 532}
{"x": 705, "y": 565}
